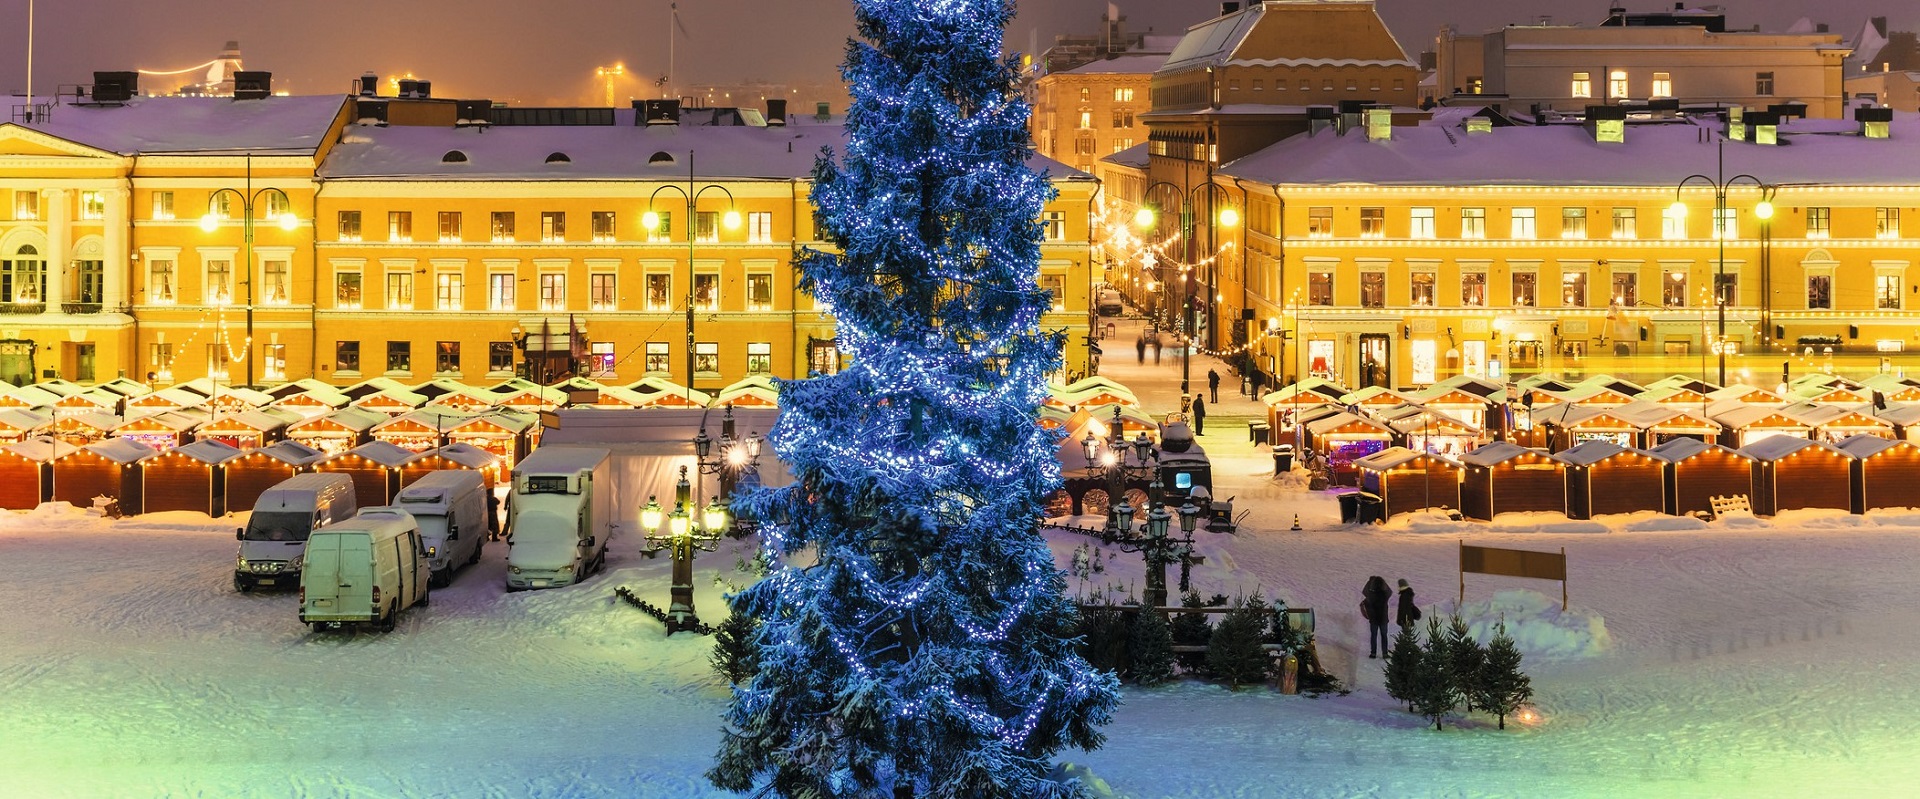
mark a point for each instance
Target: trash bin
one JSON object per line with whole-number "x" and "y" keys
{"x": 1257, "y": 432}
{"x": 1370, "y": 508}
{"x": 1349, "y": 507}
{"x": 1282, "y": 459}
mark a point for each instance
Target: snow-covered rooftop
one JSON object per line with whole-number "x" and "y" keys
{"x": 198, "y": 125}
{"x": 1121, "y": 65}
{"x": 1566, "y": 155}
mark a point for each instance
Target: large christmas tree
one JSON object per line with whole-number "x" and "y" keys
{"x": 920, "y": 646}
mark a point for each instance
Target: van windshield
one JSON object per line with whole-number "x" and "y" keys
{"x": 279, "y": 526}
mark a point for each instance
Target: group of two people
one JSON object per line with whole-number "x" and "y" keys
{"x": 1373, "y": 605}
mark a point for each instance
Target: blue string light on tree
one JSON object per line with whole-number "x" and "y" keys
{"x": 919, "y": 647}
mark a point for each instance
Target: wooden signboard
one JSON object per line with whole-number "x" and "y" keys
{"x": 1514, "y": 563}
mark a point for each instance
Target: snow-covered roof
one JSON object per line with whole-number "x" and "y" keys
{"x": 1679, "y": 449}
{"x": 1496, "y": 452}
{"x": 466, "y": 455}
{"x": 1393, "y": 457}
{"x": 1566, "y": 155}
{"x": 198, "y": 125}
{"x": 209, "y": 452}
{"x": 380, "y": 452}
{"x": 1903, "y": 415}
{"x": 1332, "y": 423}
{"x": 292, "y": 453}
{"x": 1588, "y": 453}
{"x": 41, "y": 449}
{"x": 1773, "y": 448}
{"x": 594, "y": 153}
{"x": 1135, "y": 157}
{"x": 1240, "y": 38}
{"x": 355, "y": 419}
{"x": 1120, "y": 65}
{"x": 21, "y": 420}
{"x": 1864, "y": 446}
{"x": 121, "y": 450}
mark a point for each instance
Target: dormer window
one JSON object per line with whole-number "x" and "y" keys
{"x": 558, "y": 158}
{"x": 454, "y": 157}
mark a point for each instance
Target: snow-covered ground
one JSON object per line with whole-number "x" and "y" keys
{"x": 1751, "y": 658}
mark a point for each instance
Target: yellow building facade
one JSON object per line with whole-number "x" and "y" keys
{"x": 417, "y": 252}
{"x": 1405, "y": 255}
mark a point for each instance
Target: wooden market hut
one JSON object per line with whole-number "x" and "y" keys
{"x": 374, "y": 468}
{"x": 759, "y": 391}
{"x": 1604, "y": 477}
{"x": 1406, "y": 480}
{"x": 189, "y": 477}
{"x": 85, "y": 428}
{"x": 1656, "y": 422}
{"x": 26, "y": 471}
{"x": 1429, "y": 430}
{"x": 452, "y": 456}
{"x": 1892, "y": 388}
{"x": 20, "y": 424}
{"x": 1746, "y": 424}
{"x": 419, "y": 430}
{"x": 1834, "y": 423}
{"x": 1905, "y": 420}
{"x": 507, "y": 433}
{"x": 250, "y": 429}
{"x": 166, "y": 399}
{"x": 255, "y": 471}
{"x": 1694, "y": 471}
{"x": 1792, "y": 473}
{"x": 26, "y": 397}
{"x": 1502, "y": 477}
{"x": 308, "y": 400}
{"x": 89, "y": 402}
{"x": 1469, "y": 399}
{"x": 1569, "y": 425}
{"x": 1884, "y": 472}
{"x": 236, "y": 399}
{"x": 392, "y": 402}
{"x": 161, "y": 431}
{"x": 336, "y": 432}
{"x": 654, "y": 392}
{"x": 1343, "y": 438}
{"x": 109, "y": 468}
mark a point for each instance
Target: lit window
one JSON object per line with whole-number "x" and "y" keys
{"x": 502, "y": 226}
{"x": 706, "y": 291}
{"x": 400, "y": 356}
{"x": 449, "y": 226}
{"x": 1473, "y": 289}
{"x": 553, "y": 291}
{"x": 449, "y": 291}
{"x": 399, "y": 225}
{"x": 1473, "y": 223}
{"x": 1626, "y": 289}
{"x": 347, "y": 290}
{"x": 1726, "y": 223}
{"x": 26, "y": 205}
{"x": 760, "y": 227}
{"x": 1623, "y": 223}
{"x": 600, "y": 291}
{"x": 659, "y": 357}
{"x": 160, "y": 282}
{"x": 499, "y": 357}
{"x": 659, "y": 292}
{"x": 1886, "y": 291}
{"x": 1422, "y": 227}
{"x": 219, "y": 282}
{"x": 1373, "y": 223}
{"x": 1673, "y": 288}
{"x": 1320, "y": 288}
{"x": 1662, "y": 85}
{"x": 400, "y": 290}
{"x": 346, "y": 356}
{"x": 603, "y": 226}
{"x": 553, "y": 226}
{"x": 1820, "y": 292}
{"x": 446, "y": 357}
{"x": 1573, "y": 223}
{"x": 602, "y": 356}
{"x": 1886, "y": 222}
{"x": 1373, "y": 289}
{"x": 759, "y": 357}
{"x": 1522, "y": 223}
{"x": 1582, "y": 84}
{"x": 760, "y": 291}
{"x": 1420, "y": 292}
{"x": 1573, "y": 289}
{"x": 706, "y": 357}
{"x": 1056, "y": 226}
{"x": 93, "y": 205}
{"x": 349, "y": 226}
{"x": 275, "y": 283}
{"x": 163, "y": 205}
{"x": 1819, "y": 222}
{"x": 500, "y": 287}
{"x": 1616, "y": 84}
{"x": 1525, "y": 287}
{"x": 1320, "y": 222}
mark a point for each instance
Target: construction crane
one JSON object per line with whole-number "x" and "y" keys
{"x": 606, "y": 76}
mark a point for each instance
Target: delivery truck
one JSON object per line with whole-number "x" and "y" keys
{"x": 563, "y": 514}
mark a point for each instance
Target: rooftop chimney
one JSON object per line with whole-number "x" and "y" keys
{"x": 369, "y": 85}
{"x": 1875, "y": 123}
{"x": 249, "y": 85}
{"x": 776, "y": 112}
{"x": 1607, "y": 123}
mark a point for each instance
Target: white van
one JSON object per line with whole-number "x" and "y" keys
{"x": 275, "y": 537}
{"x": 451, "y": 507}
{"x": 562, "y": 517}
{"x": 364, "y": 570}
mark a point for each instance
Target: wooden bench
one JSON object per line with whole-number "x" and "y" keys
{"x": 1724, "y": 505}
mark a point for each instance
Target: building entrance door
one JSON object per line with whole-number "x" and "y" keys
{"x": 1376, "y": 360}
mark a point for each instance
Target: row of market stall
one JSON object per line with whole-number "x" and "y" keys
{"x": 1457, "y": 416}
{"x": 1681, "y": 476}
{"x": 210, "y": 477}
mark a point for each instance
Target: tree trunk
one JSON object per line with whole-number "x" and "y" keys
{"x": 1503, "y": 721}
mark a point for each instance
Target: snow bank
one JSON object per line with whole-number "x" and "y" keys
{"x": 1537, "y": 624}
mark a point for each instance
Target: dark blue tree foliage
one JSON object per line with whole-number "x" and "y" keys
{"x": 915, "y": 639}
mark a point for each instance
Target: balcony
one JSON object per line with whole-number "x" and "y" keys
{"x": 23, "y": 307}
{"x": 81, "y": 307}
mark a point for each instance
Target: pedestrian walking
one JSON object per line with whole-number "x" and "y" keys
{"x": 1373, "y": 606}
{"x": 1256, "y": 379}
{"x": 1408, "y": 613}
{"x": 1199, "y": 415}
{"x": 1213, "y": 386}
{"x": 1140, "y": 347}
{"x": 1156, "y": 349}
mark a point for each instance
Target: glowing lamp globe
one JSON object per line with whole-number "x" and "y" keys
{"x": 650, "y": 220}
{"x": 210, "y": 222}
{"x": 1229, "y": 217}
{"x": 1143, "y": 217}
{"x": 1677, "y": 210}
{"x": 731, "y": 220}
{"x": 1764, "y": 210}
{"x": 288, "y": 221}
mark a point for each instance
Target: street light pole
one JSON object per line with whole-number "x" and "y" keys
{"x": 211, "y": 222}
{"x": 1763, "y": 210}
{"x": 651, "y": 220}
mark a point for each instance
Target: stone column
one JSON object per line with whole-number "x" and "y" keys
{"x": 59, "y": 236}
{"x": 117, "y": 275}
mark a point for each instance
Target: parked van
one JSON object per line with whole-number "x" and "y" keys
{"x": 275, "y": 537}
{"x": 364, "y": 570}
{"x": 1110, "y": 303}
{"x": 451, "y": 507}
{"x": 562, "y": 517}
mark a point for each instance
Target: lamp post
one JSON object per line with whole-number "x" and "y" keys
{"x": 1145, "y": 218}
{"x": 1151, "y": 541}
{"x": 1722, "y": 227}
{"x": 211, "y": 222}
{"x": 692, "y": 527}
{"x": 651, "y": 221}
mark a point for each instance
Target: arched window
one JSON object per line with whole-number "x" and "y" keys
{"x": 23, "y": 277}
{"x": 559, "y": 158}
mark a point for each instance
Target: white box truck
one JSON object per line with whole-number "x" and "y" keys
{"x": 451, "y": 507}
{"x": 364, "y": 570}
{"x": 275, "y": 538}
{"x": 563, "y": 514}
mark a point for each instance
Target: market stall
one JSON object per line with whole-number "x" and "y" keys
{"x": 1406, "y": 480}
{"x": 338, "y": 431}
{"x": 1885, "y": 472}
{"x": 26, "y": 473}
{"x": 374, "y": 468}
{"x": 1791, "y": 473}
{"x": 1502, "y": 477}
{"x": 110, "y": 468}
{"x": 452, "y": 456}
{"x": 1604, "y": 477}
{"x": 248, "y": 476}
{"x": 188, "y": 477}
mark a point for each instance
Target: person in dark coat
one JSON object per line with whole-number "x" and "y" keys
{"x": 1373, "y": 606}
{"x": 1199, "y": 416}
{"x": 1140, "y": 347}
{"x": 1408, "y": 613}
{"x": 1213, "y": 386}
{"x": 1156, "y": 349}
